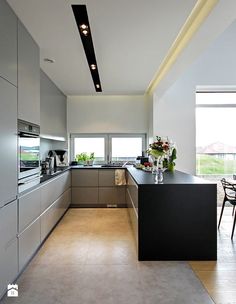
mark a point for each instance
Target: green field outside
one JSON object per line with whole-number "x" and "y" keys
{"x": 29, "y": 157}
{"x": 208, "y": 164}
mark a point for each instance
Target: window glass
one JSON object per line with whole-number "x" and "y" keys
{"x": 215, "y": 140}
{"x": 126, "y": 148}
{"x": 89, "y": 145}
{"x": 217, "y": 98}
{"x": 109, "y": 147}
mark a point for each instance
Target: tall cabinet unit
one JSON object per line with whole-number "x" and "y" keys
{"x": 8, "y": 43}
{"x": 28, "y": 77}
{"x": 8, "y": 143}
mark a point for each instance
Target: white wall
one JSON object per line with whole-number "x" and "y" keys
{"x": 107, "y": 114}
{"x": 174, "y": 112}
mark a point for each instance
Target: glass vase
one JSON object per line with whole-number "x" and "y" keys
{"x": 159, "y": 176}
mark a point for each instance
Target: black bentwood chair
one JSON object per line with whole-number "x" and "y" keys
{"x": 230, "y": 196}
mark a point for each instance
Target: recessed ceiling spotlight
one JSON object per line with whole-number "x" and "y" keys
{"x": 85, "y": 32}
{"x": 49, "y": 60}
{"x": 84, "y": 29}
{"x": 83, "y": 26}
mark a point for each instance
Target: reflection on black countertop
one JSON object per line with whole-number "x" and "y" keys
{"x": 143, "y": 178}
{"x": 53, "y": 173}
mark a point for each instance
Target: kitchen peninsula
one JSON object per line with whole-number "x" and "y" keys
{"x": 175, "y": 220}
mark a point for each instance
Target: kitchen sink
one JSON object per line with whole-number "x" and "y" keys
{"x": 112, "y": 166}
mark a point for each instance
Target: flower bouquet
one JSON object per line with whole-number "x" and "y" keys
{"x": 164, "y": 153}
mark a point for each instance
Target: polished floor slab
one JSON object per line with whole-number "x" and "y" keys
{"x": 90, "y": 258}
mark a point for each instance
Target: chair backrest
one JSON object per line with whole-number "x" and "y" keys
{"x": 229, "y": 189}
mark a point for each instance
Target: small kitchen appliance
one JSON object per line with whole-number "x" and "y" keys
{"x": 60, "y": 157}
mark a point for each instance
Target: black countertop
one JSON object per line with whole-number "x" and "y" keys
{"x": 177, "y": 177}
{"x": 140, "y": 177}
{"x": 98, "y": 167}
{"x": 53, "y": 173}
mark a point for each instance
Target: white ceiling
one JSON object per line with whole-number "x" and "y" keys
{"x": 131, "y": 38}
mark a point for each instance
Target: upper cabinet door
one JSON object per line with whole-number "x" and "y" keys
{"x": 28, "y": 77}
{"x": 8, "y": 142}
{"x": 52, "y": 108}
{"x": 8, "y": 43}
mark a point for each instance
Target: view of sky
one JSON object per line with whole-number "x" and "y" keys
{"x": 121, "y": 147}
{"x": 215, "y": 124}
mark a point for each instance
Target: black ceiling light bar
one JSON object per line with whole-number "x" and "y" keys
{"x": 81, "y": 18}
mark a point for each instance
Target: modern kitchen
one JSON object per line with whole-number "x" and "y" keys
{"x": 99, "y": 197}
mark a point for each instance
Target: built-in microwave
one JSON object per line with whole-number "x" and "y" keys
{"x": 28, "y": 155}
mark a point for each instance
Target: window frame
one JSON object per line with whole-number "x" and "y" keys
{"x": 208, "y": 106}
{"x": 108, "y": 142}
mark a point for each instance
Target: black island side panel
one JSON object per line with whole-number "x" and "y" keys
{"x": 177, "y": 221}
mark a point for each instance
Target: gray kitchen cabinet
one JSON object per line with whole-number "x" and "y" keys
{"x": 133, "y": 192}
{"x": 52, "y": 215}
{"x": 132, "y": 204}
{"x": 109, "y": 193}
{"x": 96, "y": 188}
{"x": 85, "y": 178}
{"x": 84, "y": 187}
{"x": 106, "y": 177}
{"x": 8, "y": 43}
{"x": 29, "y": 208}
{"x": 84, "y": 196}
{"x": 48, "y": 221}
{"x": 51, "y": 190}
{"x": 8, "y": 265}
{"x": 53, "y": 105}
{"x": 29, "y": 241}
{"x": 28, "y": 77}
{"x": 64, "y": 202}
{"x": 8, "y": 223}
{"x": 112, "y": 195}
{"x": 8, "y": 248}
{"x": 8, "y": 142}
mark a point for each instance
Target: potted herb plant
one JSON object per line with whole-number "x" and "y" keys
{"x": 85, "y": 158}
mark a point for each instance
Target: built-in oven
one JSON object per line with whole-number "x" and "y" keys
{"x": 28, "y": 155}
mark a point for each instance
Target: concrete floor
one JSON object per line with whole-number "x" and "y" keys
{"x": 90, "y": 258}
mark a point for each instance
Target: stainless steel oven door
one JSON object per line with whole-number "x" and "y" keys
{"x": 29, "y": 155}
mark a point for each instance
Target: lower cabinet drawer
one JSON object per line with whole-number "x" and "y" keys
{"x": 111, "y": 195}
{"x": 8, "y": 265}
{"x": 8, "y": 223}
{"x": 29, "y": 208}
{"x": 51, "y": 216}
{"x": 132, "y": 215}
{"x": 29, "y": 241}
{"x": 84, "y": 195}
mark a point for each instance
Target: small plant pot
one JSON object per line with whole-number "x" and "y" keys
{"x": 88, "y": 162}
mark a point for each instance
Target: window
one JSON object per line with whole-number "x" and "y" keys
{"x": 215, "y": 135}
{"x": 109, "y": 147}
{"x": 90, "y": 145}
{"x": 126, "y": 148}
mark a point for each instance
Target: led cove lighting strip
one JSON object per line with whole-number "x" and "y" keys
{"x": 199, "y": 13}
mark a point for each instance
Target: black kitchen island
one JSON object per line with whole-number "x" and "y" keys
{"x": 175, "y": 220}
